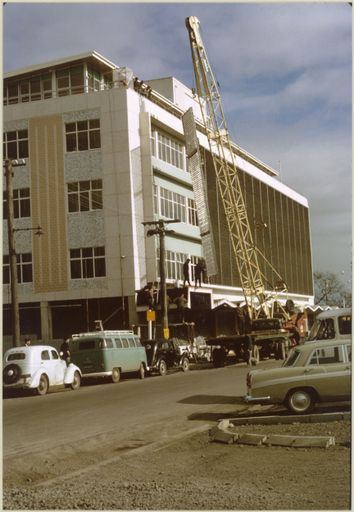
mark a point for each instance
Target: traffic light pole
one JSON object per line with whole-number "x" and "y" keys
{"x": 164, "y": 305}
{"x": 161, "y": 231}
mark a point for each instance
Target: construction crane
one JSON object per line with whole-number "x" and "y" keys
{"x": 245, "y": 251}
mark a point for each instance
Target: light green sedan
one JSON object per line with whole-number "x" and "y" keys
{"x": 313, "y": 372}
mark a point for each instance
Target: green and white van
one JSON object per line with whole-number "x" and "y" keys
{"x": 108, "y": 354}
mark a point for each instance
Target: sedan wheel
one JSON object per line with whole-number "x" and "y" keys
{"x": 76, "y": 383}
{"x": 43, "y": 386}
{"x": 300, "y": 401}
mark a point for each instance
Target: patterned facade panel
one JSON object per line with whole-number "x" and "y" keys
{"x": 280, "y": 229}
{"x": 83, "y": 165}
{"x": 48, "y": 203}
{"x": 86, "y": 230}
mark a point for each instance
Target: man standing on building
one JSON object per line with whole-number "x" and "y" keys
{"x": 186, "y": 273}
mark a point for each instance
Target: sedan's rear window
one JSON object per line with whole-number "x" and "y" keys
{"x": 327, "y": 355}
{"x": 16, "y": 356}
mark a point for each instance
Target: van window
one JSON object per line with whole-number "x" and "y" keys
{"x": 87, "y": 344}
{"x": 345, "y": 324}
{"x": 137, "y": 342}
{"x": 107, "y": 343}
{"x": 125, "y": 343}
{"x": 131, "y": 343}
{"x": 118, "y": 342}
{"x": 55, "y": 354}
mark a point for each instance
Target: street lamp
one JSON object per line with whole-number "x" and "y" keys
{"x": 161, "y": 231}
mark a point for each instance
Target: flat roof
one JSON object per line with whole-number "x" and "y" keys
{"x": 104, "y": 64}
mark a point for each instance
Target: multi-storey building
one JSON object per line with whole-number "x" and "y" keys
{"x": 105, "y": 152}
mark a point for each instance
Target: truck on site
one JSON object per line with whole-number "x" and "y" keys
{"x": 266, "y": 334}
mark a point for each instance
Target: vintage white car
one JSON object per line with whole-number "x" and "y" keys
{"x": 38, "y": 367}
{"x": 318, "y": 371}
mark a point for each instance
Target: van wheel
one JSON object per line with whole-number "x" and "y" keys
{"x": 76, "y": 383}
{"x": 162, "y": 367}
{"x": 115, "y": 375}
{"x": 142, "y": 371}
{"x": 43, "y": 386}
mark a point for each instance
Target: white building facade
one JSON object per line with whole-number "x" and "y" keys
{"x": 105, "y": 152}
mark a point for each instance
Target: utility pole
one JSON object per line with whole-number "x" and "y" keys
{"x": 12, "y": 254}
{"x": 9, "y": 164}
{"x": 161, "y": 231}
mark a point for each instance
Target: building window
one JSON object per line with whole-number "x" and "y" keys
{"x": 174, "y": 264}
{"x": 192, "y": 212}
{"x": 172, "y": 205}
{"x": 83, "y": 135}
{"x": 70, "y": 81}
{"x": 84, "y": 196}
{"x": 88, "y": 262}
{"x": 31, "y": 89}
{"x": 21, "y": 202}
{"x": 24, "y": 268}
{"x": 168, "y": 149}
{"x": 94, "y": 80}
{"x": 15, "y": 144}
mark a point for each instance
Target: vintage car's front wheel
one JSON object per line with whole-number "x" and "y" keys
{"x": 162, "y": 367}
{"x": 185, "y": 364}
{"x": 76, "y": 383}
{"x": 300, "y": 401}
{"x": 43, "y": 386}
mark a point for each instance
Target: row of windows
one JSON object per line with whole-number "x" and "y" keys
{"x": 89, "y": 262}
{"x": 83, "y": 196}
{"x": 79, "y": 136}
{"x": 172, "y": 205}
{"x": 85, "y": 263}
{"x": 62, "y": 82}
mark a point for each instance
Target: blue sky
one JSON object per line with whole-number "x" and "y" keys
{"x": 284, "y": 71}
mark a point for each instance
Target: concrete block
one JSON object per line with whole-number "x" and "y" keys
{"x": 314, "y": 441}
{"x": 223, "y": 437}
{"x": 300, "y": 441}
{"x": 251, "y": 439}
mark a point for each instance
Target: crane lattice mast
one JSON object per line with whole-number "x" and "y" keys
{"x": 226, "y": 172}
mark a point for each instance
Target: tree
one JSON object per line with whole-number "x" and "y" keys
{"x": 330, "y": 291}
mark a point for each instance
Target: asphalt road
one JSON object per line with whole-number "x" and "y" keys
{"x": 133, "y": 411}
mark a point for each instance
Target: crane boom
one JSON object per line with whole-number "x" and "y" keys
{"x": 226, "y": 172}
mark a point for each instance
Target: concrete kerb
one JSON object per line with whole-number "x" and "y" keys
{"x": 222, "y": 431}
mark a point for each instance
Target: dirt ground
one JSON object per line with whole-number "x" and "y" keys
{"x": 188, "y": 473}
